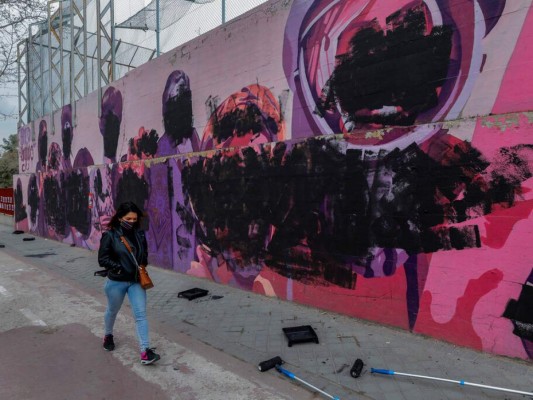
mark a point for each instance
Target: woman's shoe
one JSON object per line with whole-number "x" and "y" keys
{"x": 109, "y": 344}
{"x": 148, "y": 356}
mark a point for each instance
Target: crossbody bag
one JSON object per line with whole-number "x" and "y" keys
{"x": 144, "y": 278}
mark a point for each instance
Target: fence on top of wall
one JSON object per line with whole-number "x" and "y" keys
{"x": 84, "y": 45}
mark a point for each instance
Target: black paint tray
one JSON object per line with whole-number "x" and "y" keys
{"x": 193, "y": 293}
{"x": 300, "y": 334}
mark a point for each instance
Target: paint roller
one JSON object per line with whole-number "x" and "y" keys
{"x": 276, "y": 363}
{"x": 357, "y": 368}
{"x": 269, "y": 364}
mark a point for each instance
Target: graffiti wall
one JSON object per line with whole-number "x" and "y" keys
{"x": 369, "y": 157}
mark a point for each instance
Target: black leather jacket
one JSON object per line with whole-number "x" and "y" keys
{"x": 117, "y": 260}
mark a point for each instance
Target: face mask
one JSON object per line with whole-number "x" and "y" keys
{"x": 126, "y": 225}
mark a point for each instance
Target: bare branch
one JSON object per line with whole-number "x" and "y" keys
{"x": 16, "y": 16}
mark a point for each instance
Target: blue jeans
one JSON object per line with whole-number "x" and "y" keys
{"x": 115, "y": 292}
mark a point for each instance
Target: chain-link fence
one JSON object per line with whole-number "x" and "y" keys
{"x": 84, "y": 45}
{"x": 179, "y": 21}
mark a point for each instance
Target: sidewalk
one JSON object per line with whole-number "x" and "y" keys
{"x": 249, "y": 327}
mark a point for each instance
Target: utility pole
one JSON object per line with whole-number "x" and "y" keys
{"x": 157, "y": 28}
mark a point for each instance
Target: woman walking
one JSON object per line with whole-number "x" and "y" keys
{"x": 123, "y": 275}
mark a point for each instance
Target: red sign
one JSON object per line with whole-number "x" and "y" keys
{"x": 7, "y": 201}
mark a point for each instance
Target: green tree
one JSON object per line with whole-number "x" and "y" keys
{"x": 9, "y": 161}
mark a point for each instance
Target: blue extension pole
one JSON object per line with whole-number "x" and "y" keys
{"x": 462, "y": 383}
{"x": 292, "y": 376}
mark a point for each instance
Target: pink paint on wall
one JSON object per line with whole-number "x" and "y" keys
{"x": 517, "y": 85}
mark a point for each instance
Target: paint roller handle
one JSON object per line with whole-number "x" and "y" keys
{"x": 285, "y": 372}
{"x": 381, "y": 371}
{"x": 294, "y": 377}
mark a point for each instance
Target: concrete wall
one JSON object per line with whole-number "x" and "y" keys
{"x": 371, "y": 158}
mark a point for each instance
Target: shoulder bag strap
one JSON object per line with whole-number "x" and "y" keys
{"x": 129, "y": 249}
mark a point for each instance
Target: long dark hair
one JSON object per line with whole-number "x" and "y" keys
{"x": 122, "y": 210}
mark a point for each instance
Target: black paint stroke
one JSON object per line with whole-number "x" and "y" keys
{"x": 401, "y": 67}
{"x": 131, "y": 187}
{"x": 54, "y": 201}
{"x": 20, "y": 210}
{"x": 66, "y": 137}
{"x": 241, "y": 121}
{"x": 76, "y": 189}
{"x": 98, "y": 186}
{"x": 145, "y": 146}
{"x": 412, "y": 295}
{"x": 66, "y": 130}
{"x": 42, "y": 142}
{"x": 177, "y": 116}
{"x": 110, "y": 119}
{"x": 33, "y": 198}
{"x": 521, "y": 312}
{"x": 330, "y": 207}
{"x": 111, "y": 134}
{"x": 517, "y": 311}
{"x": 54, "y": 157}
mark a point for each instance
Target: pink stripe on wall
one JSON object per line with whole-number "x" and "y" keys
{"x": 517, "y": 85}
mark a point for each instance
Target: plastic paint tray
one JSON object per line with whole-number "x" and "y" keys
{"x": 300, "y": 334}
{"x": 193, "y": 293}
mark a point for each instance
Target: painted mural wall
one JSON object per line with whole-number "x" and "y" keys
{"x": 369, "y": 157}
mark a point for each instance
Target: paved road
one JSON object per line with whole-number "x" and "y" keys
{"x": 51, "y": 309}
{"x": 50, "y": 335}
